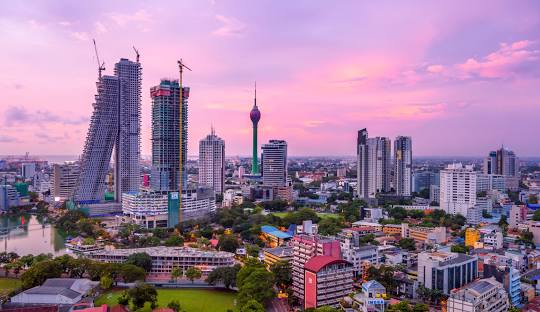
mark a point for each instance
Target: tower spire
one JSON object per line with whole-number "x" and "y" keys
{"x": 255, "y": 102}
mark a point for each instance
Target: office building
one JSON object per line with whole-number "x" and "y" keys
{"x": 212, "y": 162}
{"x": 502, "y": 162}
{"x": 274, "y": 163}
{"x": 485, "y": 295}
{"x": 403, "y": 165}
{"x": 327, "y": 280}
{"x": 490, "y": 182}
{"x": 445, "y": 271}
{"x": 9, "y": 197}
{"x": 474, "y": 215}
{"x": 458, "y": 189}
{"x": 434, "y": 194}
{"x": 64, "y": 180}
{"x": 423, "y": 180}
{"x": 374, "y": 165}
{"x": 28, "y": 170}
{"x": 372, "y": 298}
{"x": 165, "y": 259}
{"x": 169, "y": 135}
{"x": 428, "y": 235}
{"x": 115, "y": 123}
{"x": 306, "y": 247}
{"x": 255, "y": 116}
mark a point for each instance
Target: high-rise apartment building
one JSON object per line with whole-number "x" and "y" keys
{"x": 115, "y": 123}
{"x": 502, "y": 162}
{"x": 374, "y": 165}
{"x": 212, "y": 162}
{"x": 458, "y": 189}
{"x": 274, "y": 163}
{"x": 166, "y": 166}
{"x": 128, "y": 141}
{"x": 28, "y": 170}
{"x": 64, "y": 180}
{"x": 403, "y": 165}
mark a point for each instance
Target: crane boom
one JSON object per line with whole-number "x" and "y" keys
{"x": 136, "y": 53}
{"x": 101, "y": 66}
{"x": 181, "y": 67}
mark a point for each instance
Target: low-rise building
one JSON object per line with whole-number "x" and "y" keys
{"x": 472, "y": 236}
{"x": 165, "y": 259}
{"x": 372, "y": 298}
{"x": 482, "y": 295}
{"x": 273, "y": 236}
{"x": 277, "y": 254}
{"x": 435, "y": 235}
{"x": 327, "y": 280}
{"x": 60, "y": 291}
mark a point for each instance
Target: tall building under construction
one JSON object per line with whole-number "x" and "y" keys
{"x": 167, "y": 168}
{"x": 114, "y": 126}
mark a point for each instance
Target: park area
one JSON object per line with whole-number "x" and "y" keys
{"x": 191, "y": 300}
{"x": 7, "y": 285}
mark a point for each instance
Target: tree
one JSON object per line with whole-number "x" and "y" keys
{"x": 123, "y": 299}
{"x": 193, "y": 273}
{"x": 39, "y": 272}
{"x": 254, "y": 283}
{"x": 174, "y": 305}
{"x": 228, "y": 243}
{"x": 176, "y": 273}
{"x": 282, "y": 273}
{"x": 460, "y": 249}
{"x": 503, "y": 221}
{"x": 407, "y": 243}
{"x": 106, "y": 282}
{"x": 536, "y": 215}
{"x": 142, "y": 293}
{"x": 140, "y": 259}
{"x": 252, "y": 306}
{"x": 131, "y": 273}
{"x": 225, "y": 275}
{"x": 329, "y": 226}
{"x": 174, "y": 241}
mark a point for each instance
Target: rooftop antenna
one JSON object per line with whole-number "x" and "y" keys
{"x": 101, "y": 66}
{"x": 255, "y": 92}
{"x": 136, "y": 53}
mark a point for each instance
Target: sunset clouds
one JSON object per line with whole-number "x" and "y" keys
{"x": 461, "y": 78}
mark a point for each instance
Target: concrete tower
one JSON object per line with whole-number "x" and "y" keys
{"x": 255, "y": 116}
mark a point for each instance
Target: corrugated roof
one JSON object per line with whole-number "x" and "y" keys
{"x": 268, "y": 229}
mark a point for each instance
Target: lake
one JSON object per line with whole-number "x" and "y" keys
{"x": 27, "y": 234}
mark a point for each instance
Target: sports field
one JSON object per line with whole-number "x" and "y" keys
{"x": 191, "y": 300}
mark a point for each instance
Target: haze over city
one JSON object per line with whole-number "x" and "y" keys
{"x": 461, "y": 78}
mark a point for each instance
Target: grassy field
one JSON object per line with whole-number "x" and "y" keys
{"x": 8, "y": 284}
{"x": 191, "y": 300}
{"x": 320, "y": 214}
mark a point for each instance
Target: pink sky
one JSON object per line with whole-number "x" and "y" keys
{"x": 461, "y": 78}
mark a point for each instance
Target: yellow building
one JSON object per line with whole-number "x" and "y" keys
{"x": 392, "y": 229}
{"x": 471, "y": 236}
{"x": 273, "y": 255}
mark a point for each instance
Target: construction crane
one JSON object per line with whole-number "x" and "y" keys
{"x": 136, "y": 53}
{"x": 101, "y": 66}
{"x": 181, "y": 67}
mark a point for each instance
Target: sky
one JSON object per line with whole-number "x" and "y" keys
{"x": 460, "y": 77}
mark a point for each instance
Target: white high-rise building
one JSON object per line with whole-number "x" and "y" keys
{"x": 274, "y": 163}
{"x": 64, "y": 179}
{"x": 458, "y": 189}
{"x": 212, "y": 162}
{"x": 403, "y": 165}
{"x": 374, "y": 165}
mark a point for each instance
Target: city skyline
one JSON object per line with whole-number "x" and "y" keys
{"x": 473, "y": 71}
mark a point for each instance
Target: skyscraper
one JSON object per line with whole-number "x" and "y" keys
{"x": 374, "y": 165}
{"x": 255, "y": 116}
{"x": 212, "y": 162}
{"x": 458, "y": 189}
{"x": 503, "y": 162}
{"x": 403, "y": 165}
{"x": 274, "y": 163}
{"x": 166, "y": 165}
{"x": 128, "y": 142}
{"x": 64, "y": 179}
{"x": 115, "y": 122}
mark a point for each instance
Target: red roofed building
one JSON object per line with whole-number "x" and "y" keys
{"x": 327, "y": 280}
